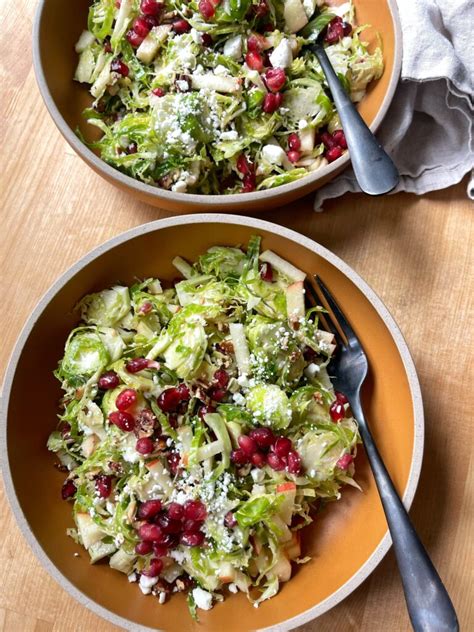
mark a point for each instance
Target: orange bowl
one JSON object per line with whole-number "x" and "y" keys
{"x": 55, "y": 61}
{"x": 346, "y": 541}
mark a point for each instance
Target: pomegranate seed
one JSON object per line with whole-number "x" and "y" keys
{"x": 222, "y": 378}
{"x": 239, "y": 457}
{"x": 294, "y": 142}
{"x": 150, "y": 7}
{"x": 192, "y": 539}
{"x": 160, "y": 550}
{"x": 136, "y": 364}
{"x": 68, "y": 490}
{"x": 346, "y": 29}
{"x": 294, "y": 462}
{"x": 192, "y": 526}
{"x": 333, "y": 154}
{"x": 282, "y": 446}
{"x": 206, "y": 39}
{"x": 107, "y": 47}
{"x": 158, "y": 92}
{"x": 328, "y": 140}
{"x": 206, "y": 9}
{"x": 243, "y": 165}
{"x": 141, "y": 26}
{"x": 126, "y": 398}
{"x": 149, "y": 509}
{"x": 341, "y": 397}
{"x": 249, "y": 183}
{"x": 275, "y": 79}
{"x": 184, "y": 393}
{"x": 145, "y": 308}
{"x": 194, "y": 510}
{"x": 264, "y": 437}
{"x": 248, "y": 445}
{"x": 293, "y": 156}
{"x": 340, "y": 138}
{"x": 272, "y": 102}
{"x": 229, "y": 520}
{"x": 167, "y": 525}
{"x": 217, "y": 394}
{"x": 175, "y": 511}
{"x": 309, "y": 354}
{"x": 143, "y": 548}
{"x": 122, "y": 420}
{"x": 181, "y": 26}
{"x": 258, "y": 459}
{"x": 261, "y": 9}
{"x": 150, "y": 532}
{"x": 119, "y": 67}
{"x": 275, "y": 462}
{"x": 103, "y": 485}
{"x": 254, "y": 61}
{"x": 204, "y": 410}
{"x": 335, "y": 31}
{"x": 169, "y": 400}
{"x": 168, "y": 540}
{"x": 108, "y": 380}
{"x": 154, "y": 569}
{"x": 255, "y": 44}
{"x": 173, "y": 460}
{"x": 134, "y": 39}
{"x": 266, "y": 272}
{"x": 132, "y": 148}
{"x": 65, "y": 429}
{"x": 144, "y": 445}
{"x": 344, "y": 462}
{"x": 337, "y": 411}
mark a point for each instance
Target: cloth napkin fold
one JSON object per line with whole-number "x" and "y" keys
{"x": 428, "y": 130}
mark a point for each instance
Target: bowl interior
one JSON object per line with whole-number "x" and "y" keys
{"x": 341, "y": 539}
{"x": 58, "y": 60}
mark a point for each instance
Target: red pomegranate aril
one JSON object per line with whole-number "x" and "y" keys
{"x": 126, "y": 398}
{"x": 149, "y": 509}
{"x": 341, "y": 397}
{"x": 294, "y": 462}
{"x": 158, "y": 92}
{"x": 123, "y": 421}
{"x": 150, "y": 7}
{"x": 340, "y": 138}
{"x": 136, "y": 364}
{"x": 175, "y": 511}
{"x": 266, "y": 272}
{"x": 335, "y": 31}
{"x": 328, "y": 140}
{"x": 169, "y": 400}
{"x": 143, "y": 548}
{"x": 248, "y": 445}
{"x": 160, "y": 550}
{"x": 150, "y": 532}
{"x": 154, "y": 569}
{"x": 272, "y": 102}
{"x": 192, "y": 539}
{"x": 134, "y": 39}
{"x": 141, "y": 26}
{"x": 309, "y": 354}
{"x": 206, "y": 39}
{"x": 132, "y": 148}
{"x": 205, "y": 410}
{"x": 258, "y": 459}
{"x": 344, "y": 462}
{"x": 221, "y": 378}
{"x": 108, "y": 380}
{"x": 275, "y": 462}
{"x": 249, "y": 183}
{"x": 184, "y": 393}
{"x": 282, "y": 446}
{"x": 293, "y": 156}
{"x": 173, "y": 459}
{"x": 206, "y": 9}
{"x": 68, "y": 490}
{"x": 167, "y": 525}
{"x": 168, "y": 540}
{"x": 294, "y": 142}
{"x": 264, "y": 437}
{"x": 337, "y": 411}
{"x": 144, "y": 445}
{"x": 275, "y": 78}
{"x": 254, "y": 61}
{"x": 239, "y": 457}
{"x": 181, "y": 26}
{"x": 217, "y": 394}
{"x": 152, "y": 20}
{"x": 119, "y": 67}
{"x": 346, "y": 29}
{"x": 192, "y": 526}
{"x": 261, "y": 9}
{"x": 65, "y": 429}
{"x": 243, "y": 165}
{"x": 103, "y": 485}
{"x": 255, "y": 44}
{"x": 195, "y": 510}
{"x": 229, "y": 520}
{"x": 333, "y": 154}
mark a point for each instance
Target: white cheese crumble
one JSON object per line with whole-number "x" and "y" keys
{"x": 221, "y": 70}
{"x": 239, "y": 399}
{"x": 233, "y": 47}
{"x": 162, "y": 598}
{"x": 202, "y": 598}
{"x": 282, "y": 56}
{"x": 147, "y": 583}
{"x": 273, "y": 154}
{"x": 231, "y": 135}
{"x": 233, "y": 588}
{"x": 132, "y": 577}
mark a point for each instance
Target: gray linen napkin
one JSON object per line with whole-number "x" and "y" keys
{"x": 428, "y": 129}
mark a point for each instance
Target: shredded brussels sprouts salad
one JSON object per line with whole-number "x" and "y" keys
{"x": 199, "y": 426}
{"x": 211, "y": 96}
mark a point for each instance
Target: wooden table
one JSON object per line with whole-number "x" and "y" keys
{"x": 415, "y": 252}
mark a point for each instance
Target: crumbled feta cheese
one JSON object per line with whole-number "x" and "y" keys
{"x": 76, "y": 554}
{"x": 147, "y": 583}
{"x": 239, "y": 399}
{"x": 179, "y": 187}
{"x": 282, "y": 55}
{"x": 233, "y": 588}
{"x": 221, "y": 70}
{"x": 132, "y": 577}
{"x": 130, "y": 454}
{"x": 231, "y": 135}
{"x": 302, "y": 124}
{"x": 178, "y": 555}
{"x": 202, "y": 598}
{"x": 196, "y": 35}
{"x": 233, "y": 47}
{"x": 257, "y": 475}
{"x": 273, "y": 154}
{"x": 162, "y": 598}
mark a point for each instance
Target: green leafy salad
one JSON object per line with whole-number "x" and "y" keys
{"x": 219, "y": 96}
{"x": 199, "y": 427}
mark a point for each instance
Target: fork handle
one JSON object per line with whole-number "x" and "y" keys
{"x": 428, "y": 602}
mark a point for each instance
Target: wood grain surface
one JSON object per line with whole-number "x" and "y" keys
{"x": 417, "y": 253}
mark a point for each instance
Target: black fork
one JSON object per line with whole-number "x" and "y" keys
{"x": 428, "y": 602}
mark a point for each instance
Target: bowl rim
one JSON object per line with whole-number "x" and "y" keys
{"x": 209, "y": 218}
{"x": 199, "y": 199}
